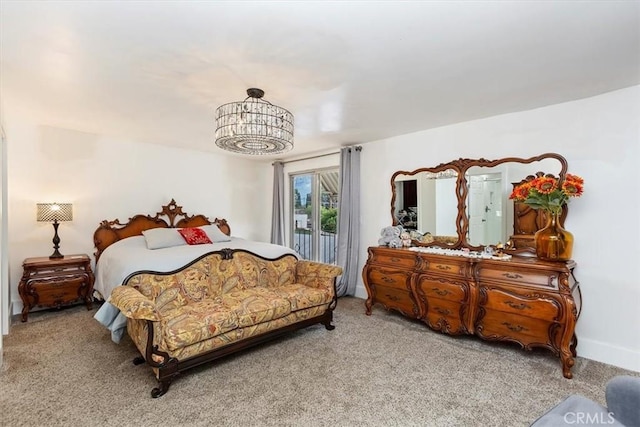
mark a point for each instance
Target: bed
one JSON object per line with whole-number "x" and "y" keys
{"x": 152, "y": 243}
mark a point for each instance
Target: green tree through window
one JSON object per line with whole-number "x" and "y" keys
{"x": 328, "y": 219}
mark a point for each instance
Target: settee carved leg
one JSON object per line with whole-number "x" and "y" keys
{"x": 328, "y": 317}
{"x": 329, "y": 326}
{"x": 139, "y": 360}
{"x": 159, "y": 391}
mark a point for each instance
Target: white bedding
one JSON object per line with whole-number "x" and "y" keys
{"x": 131, "y": 254}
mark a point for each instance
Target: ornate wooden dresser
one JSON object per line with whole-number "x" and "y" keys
{"x": 522, "y": 300}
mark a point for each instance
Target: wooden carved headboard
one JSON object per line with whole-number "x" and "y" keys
{"x": 110, "y": 232}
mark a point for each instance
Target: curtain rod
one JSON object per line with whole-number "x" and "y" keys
{"x": 311, "y": 157}
{"x": 357, "y": 147}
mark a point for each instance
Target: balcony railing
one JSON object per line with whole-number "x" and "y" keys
{"x": 303, "y": 244}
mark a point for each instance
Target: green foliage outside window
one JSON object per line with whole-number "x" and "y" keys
{"x": 328, "y": 219}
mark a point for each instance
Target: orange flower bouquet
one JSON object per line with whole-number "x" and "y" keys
{"x": 546, "y": 192}
{"x": 553, "y": 243}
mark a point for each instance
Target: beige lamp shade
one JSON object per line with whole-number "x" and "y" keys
{"x": 50, "y": 212}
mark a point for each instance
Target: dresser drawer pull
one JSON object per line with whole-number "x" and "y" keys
{"x": 441, "y": 292}
{"x": 394, "y": 259}
{"x": 442, "y": 311}
{"x": 392, "y": 297}
{"x": 57, "y": 296}
{"x": 512, "y": 276}
{"x": 443, "y": 267}
{"x": 387, "y": 279}
{"x": 514, "y": 328}
{"x": 520, "y": 306}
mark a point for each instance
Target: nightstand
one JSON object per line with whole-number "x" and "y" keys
{"x": 56, "y": 282}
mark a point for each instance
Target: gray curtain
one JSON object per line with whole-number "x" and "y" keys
{"x": 349, "y": 220}
{"x": 277, "y": 212}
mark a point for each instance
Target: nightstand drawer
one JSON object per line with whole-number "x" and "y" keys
{"x": 59, "y": 292}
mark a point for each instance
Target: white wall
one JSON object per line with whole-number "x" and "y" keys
{"x": 600, "y": 137}
{"x": 4, "y": 254}
{"x": 109, "y": 178}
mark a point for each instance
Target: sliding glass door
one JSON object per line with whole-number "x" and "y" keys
{"x": 314, "y": 205}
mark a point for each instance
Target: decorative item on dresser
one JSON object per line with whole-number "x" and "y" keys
{"x": 461, "y": 288}
{"x": 527, "y": 221}
{"x": 550, "y": 195}
{"x": 57, "y": 282}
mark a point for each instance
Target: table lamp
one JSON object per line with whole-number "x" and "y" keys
{"x": 55, "y": 212}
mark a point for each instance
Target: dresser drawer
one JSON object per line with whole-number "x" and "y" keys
{"x": 396, "y": 259}
{"x": 389, "y": 278}
{"x": 396, "y": 299}
{"x": 511, "y": 327}
{"x": 445, "y": 265}
{"x": 445, "y": 316}
{"x": 546, "y": 279}
{"x": 431, "y": 287}
{"x": 535, "y": 306}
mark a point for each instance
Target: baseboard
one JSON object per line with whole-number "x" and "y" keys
{"x": 609, "y": 354}
{"x": 361, "y": 292}
{"x": 15, "y": 307}
{"x": 7, "y": 326}
{"x": 11, "y": 304}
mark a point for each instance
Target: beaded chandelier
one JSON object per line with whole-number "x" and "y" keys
{"x": 254, "y": 126}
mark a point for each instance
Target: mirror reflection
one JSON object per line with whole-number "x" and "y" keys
{"x": 485, "y": 207}
{"x": 426, "y": 202}
{"x": 489, "y": 210}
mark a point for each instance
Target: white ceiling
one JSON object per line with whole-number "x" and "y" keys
{"x": 349, "y": 71}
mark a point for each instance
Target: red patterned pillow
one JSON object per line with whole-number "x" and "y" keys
{"x": 194, "y": 236}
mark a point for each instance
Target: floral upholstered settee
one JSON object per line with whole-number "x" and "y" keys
{"x": 221, "y": 303}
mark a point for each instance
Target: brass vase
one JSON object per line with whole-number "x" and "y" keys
{"x": 553, "y": 243}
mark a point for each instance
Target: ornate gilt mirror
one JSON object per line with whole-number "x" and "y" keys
{"x": 465, "y": 203}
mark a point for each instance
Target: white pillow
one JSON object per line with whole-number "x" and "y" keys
{"x": 158, "y": 238}
{"x": 214, "y": 233}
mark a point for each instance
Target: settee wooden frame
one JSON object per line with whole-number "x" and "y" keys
{"x": 170, "y": 367}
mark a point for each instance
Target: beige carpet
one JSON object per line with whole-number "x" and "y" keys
{"x": 61, "y": 368}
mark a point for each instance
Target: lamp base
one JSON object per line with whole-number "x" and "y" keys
{"x": 56, "y": 242}
{"x": 56, "y": 255}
